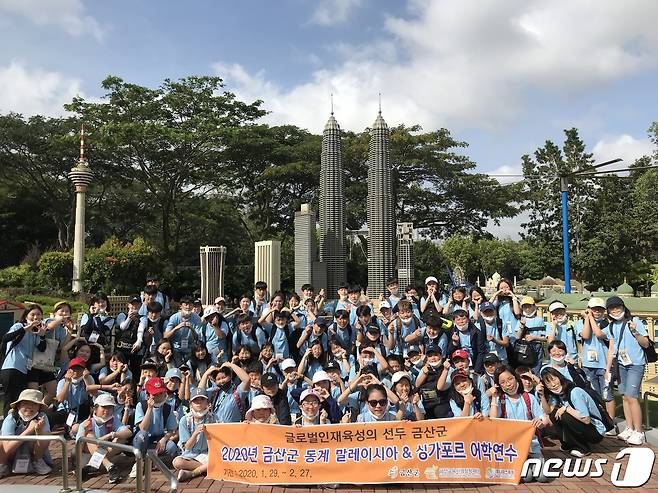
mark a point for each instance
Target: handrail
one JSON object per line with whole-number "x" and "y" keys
{"x": 139, "y": 459}
{"x": 152, "y": 456}
{"x": 645, "y": 404}
{"x": 47, "y": 438}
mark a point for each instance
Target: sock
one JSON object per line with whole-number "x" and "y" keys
{"x": 197, "y": 472}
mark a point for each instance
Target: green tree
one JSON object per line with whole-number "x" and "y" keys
{"x": 428, "y": 260}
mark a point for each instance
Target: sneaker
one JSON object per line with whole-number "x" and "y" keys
{"x": 184, "y": 475}
{"x": 133, "y": 471}
{"x": 41, "y": 468}
{"x": 612, "y": 433}
{"x": 636, "y": 438}
{"x": 564, "y": 448}
{"x": 578, "y": 453}
{"x": 625, "y": 435}
{"x": 4, "y": 470}
{"x": 113, "y": 474}
{"x": 87, "y": 472}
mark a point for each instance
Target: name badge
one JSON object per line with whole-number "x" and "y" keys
{"x": 70, "y": 418}
{"x": 624, "y": 357}
{"x": 592, "y": 355}
{"x": 184, "y": 344}
{"x": 97, "y": 459}
{"x": 21, "y": 465}
{"x": 94, "y": 337}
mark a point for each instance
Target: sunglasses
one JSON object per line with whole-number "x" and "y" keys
{"x": 378, "y": 402}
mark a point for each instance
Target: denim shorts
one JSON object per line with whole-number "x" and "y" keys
{"x": 630, "y": 380}
{"x": 596, "y": 377}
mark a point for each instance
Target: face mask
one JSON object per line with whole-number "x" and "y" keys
{"x": 76, "y": 381}
{"x": 102, "y": 421}
{"x": 199, "y": 414}
{"x": 367, "y": 361}
{"x": 466, "y": 391}
{"x": 462, "y": 328}
{"x": 419, "y": 363}
{"x": 561, "y": 319}
{"x": 559, "y": 360}
{"x": 489, "y": 320}
{"x": 311, "y": 418}
{"x": 618, "y": 317}
{"x": 530, "y": 313}
{"x": 406, "y": 321}
{"x": 280, "y": 326}
{"x": 27, "y": 417}
{"x": 154, "y": 320}
{"x": 434, "y": 364}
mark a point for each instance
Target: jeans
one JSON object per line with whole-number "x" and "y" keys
{"x": 144, "y": 440}
{"x": 596, "y": 377}
{"x": 630, "y": 380}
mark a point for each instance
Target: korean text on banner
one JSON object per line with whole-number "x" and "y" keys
{"x": 434, "y": 451}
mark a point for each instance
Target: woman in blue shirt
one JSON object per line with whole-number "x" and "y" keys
{"x": 377, "y": 406}
{"x": 572, "y": 412}
{"x": 410, "y": 402}
{"x": 466, "y": 399}
{"x": 628, "y": 338}
{"x": 20, "y": 342}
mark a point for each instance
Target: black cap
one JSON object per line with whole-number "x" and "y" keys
{"x": 373, "y": 328}
{"x": 332, "y": 365}
{"x": 321, "y": 323}
{"x": 614, "y": 301}
{"x": 149, "y": 363}
{"x": 491, "y": 358}
{"x": 433, "y": 319}
{"x": 198, "y": 301}
{"x": 268, "y": 380}
{"x": 432, "y": 348}
{"x": 413, "y": 349}
{"x": 135, "y": 299}
{"x": 186, "y": 299}
{"x": 342, "y": 314}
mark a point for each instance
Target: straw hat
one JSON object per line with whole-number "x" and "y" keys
{"x": 30, "y": 395}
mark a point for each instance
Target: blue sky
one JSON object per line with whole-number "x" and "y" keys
{"x": 504, "y": 76}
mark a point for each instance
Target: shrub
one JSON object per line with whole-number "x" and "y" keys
{"x": 56, "y": 269}
{"x": 14, "y": 276}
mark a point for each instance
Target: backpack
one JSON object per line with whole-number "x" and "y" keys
{"x": 607, "y": 421}
{"x": 509, "y": 350}
{"x": 524, "y": 353}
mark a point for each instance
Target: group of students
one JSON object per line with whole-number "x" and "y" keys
{"x": 156, "y": 379}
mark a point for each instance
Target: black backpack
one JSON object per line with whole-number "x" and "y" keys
{"x": 509, "y": 350}
{"x": 607, "y": 421}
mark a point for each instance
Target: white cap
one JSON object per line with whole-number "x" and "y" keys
{"x": 431, "y": 279}
{"x": 384, "y": 304}
{"x": 321, "y": 376}
{"x": 399, "y": 375}
{"x": 596, "y": 303}
{"x": 220, "y": 299}
{"x": 261, "y": 401}
{"x": 211, "y": 310}
{"x": 288, "y": 363}
{"x": 306, "y": 393}
{"x": 556, "y": 305}
{"x": 105, "y": 400}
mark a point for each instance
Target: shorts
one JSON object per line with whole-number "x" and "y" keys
{"x": 202, "y": 458}
{"x": 40, "y": 376}
{"x": 630, "y": 380}
{"x": 596, "y": 377}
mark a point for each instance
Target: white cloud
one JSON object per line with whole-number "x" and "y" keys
{"x": 35, "y": 91}
{"x": 624, "y": 146}
{"x": 332, "y": 12}
{"x": 468, "y": 64}
{"x": 69, "y": 15}
{"x": 507, "y": 173}
{"x": 509, "y": 227}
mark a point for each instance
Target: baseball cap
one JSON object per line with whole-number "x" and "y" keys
{"x": 459, "y": 374}
{"x": 384, "y": 304}
{"x": 373, "y": 328}
{"x": 527, "y": 300}
{"x": 596, "y": 303}
{"x": 614, "y": 301}
{"x": 431, "y": 348}
{"x": 198, "y": 301}
{"x": 459, "y": 353}
{"x": 556, "y": 305}
{"x": 198, "y": 392}
{"x": 491, "y": 358}
{"x": 413, "y": 349}
{"x": 399, "y": 375}
{"x": 155, "y": 386}
{"x": 486, "y": 306}
{"x": 460, "y": 308}
{"x": 77, "y": 362}
{"x": 220, "y": 299}
{"x": 288, "y": 363}
{"x": 149, "y": 363}
{"x": 135, "y": 299}
{"x": 321, "y": 376}
{"x": 105, "y": 400}
{"x": 306, "y": 393}
{"x": 432, "y": 319}
{"x": 211, "y": 310}
{"x": 332, "y": 365}
{"x": 173, "y": 373}
{"x": 268, "y": 380}
{"x": 430, "y": 279}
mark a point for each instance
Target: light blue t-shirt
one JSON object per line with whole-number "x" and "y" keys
{"x": 567, "y": 334}
{"x": 157, "y": 426}
{"x": 186, "y": 427}
{"x": 484, "y": 406}
{"x": 226, "y": 407}
{"x": 492, "y": 347}
{"x": 585, "y": 406}
{"x": 17, "y": 354}
{"x": 77, "y": 395}
{"x": 517, "y": 409}
{"x": 183, "y": 338}
{"x": 280, "y": 339}
{"x": 628, "y": 342}
{"x": 242, "y": 339}
{"x": 595, "y": 352}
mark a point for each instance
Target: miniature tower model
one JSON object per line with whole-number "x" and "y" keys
{"x": 304, "y": 246}
{"x": 267, "y": 264}
{"x": 405, "y": 255}
{"x": 381, "y": 214}
{"x": 212, "y": 272}
{"x": 81, "y": 176}
{"x": 332, "y": 207}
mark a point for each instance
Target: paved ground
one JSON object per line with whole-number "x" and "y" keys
{"x": 607, "y": 449}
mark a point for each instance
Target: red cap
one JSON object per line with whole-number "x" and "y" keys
{"x": 459, "y": 353}
{"x": 155, "y": 385}
{"x": 460, "y": 374}
{"x": 77, "y": 362}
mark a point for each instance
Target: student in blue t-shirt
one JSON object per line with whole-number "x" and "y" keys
{"x": 561, "y": 329}
{"x": 377, "y": 406}
{"x": 628, "y": 338}
{"x": 466, "y": 399}
{"x": 572, "y": 412}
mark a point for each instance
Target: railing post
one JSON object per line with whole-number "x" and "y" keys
{"x": 147, "y": 473}
{"x": 65, "y": 465}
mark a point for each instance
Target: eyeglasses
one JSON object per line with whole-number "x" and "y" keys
{"x": 376, "y": 402}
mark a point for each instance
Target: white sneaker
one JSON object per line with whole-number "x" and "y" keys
{"x": 133, "y": 471}
{"x": 577, "y": 453}
{"x": 625, "y": 435}
{"x": 41, "y": 468}
{"x": 612, "y": 433}
{"x": 4, "y": 470}
{"x": 184, "y": 475}
{"x": 636, "y": 438}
